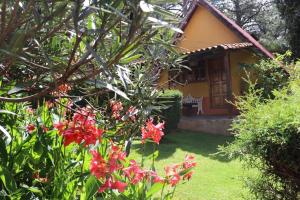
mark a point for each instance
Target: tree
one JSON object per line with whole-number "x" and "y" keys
{"x": 260, "y": 18}
{"x": 46, "y": 45}
{"x": 290, "y": 12}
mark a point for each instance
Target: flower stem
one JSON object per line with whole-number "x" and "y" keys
{"x": 162, "y": 191}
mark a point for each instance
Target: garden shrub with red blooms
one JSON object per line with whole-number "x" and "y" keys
{"x": 69, "y": 155}
{"x": 74, "y": 94}
{"x": 113, "y": 170}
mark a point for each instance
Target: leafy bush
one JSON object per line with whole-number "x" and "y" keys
{"x": 268, "y": 138}
{"x": 72, "y": 54}
{"x": 270, "y": 74}
{"x": 170, "y": 112}
{"x": 52, "y": 152}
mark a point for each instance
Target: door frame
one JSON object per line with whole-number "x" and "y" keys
{"x": 226, "y": 62}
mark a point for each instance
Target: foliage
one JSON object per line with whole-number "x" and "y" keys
{"x": 267, "y": 138}
{"x": 90, "y": 45}
{"x": 261, "y": 18}
{"x": 171, "y": 101}
{"x": 289, "y": 11}
{"x": 87, "y": 72}
{"x": 51, "y": 152}
{"x": 270, "y": 74}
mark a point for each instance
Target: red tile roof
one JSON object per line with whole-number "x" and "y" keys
{"x": 223, "y": 46}
{"x": 230, "y": 23}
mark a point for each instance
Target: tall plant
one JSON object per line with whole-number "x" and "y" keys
{"x": 78, "y": 83}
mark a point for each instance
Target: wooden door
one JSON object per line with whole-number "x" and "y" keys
{"x": 219, "y": 83}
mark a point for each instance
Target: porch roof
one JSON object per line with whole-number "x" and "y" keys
{"x": 222, "y": 47}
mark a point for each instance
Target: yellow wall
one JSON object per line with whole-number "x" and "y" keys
{"x": 237, "y": 58}
{"x": 200, "y": 89}
{"x": 205, "y": 30}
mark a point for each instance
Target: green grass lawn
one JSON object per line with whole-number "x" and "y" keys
{"x": 215, "y": 177}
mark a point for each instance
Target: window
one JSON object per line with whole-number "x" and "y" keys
{"x": 197, "y": 72}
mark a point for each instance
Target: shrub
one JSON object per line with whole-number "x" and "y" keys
{"x": 170, "y": 102}
{"x": 268, "y": 138}
{"x": 270, "y": 74}
{"x": 52, "y": 152}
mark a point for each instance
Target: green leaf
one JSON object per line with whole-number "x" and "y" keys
{"x": 103, "y": 84}
{"x": 129, "y": 59}
{"x": 91, "y": 187}
{"x": 154, "y": 189}
{"x": 3, "y": 152}
{"x": 32, "y": 189}
{"x": 7, "y": 137}
{"x": 7, "y": 179}
{"x": 7, "y": 112}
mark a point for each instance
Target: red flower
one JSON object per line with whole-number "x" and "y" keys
{"x": 188, "y": 175}
{"x": 156, "y": 178}
{"x": 109, "y": 184}
{"x": 173, "y": 174}
{"x": 60, "y": 126}
{"x": 116, "y": 107}
{"x": 64, "y": 88}
{"x": 115, "y": 158}
{"x": 120, "y": 186}
{"x": 82, "y": 128}
{"x": 98, "y": 165}
{"x": 36, "y": 176}
{"x": 152, "y": 131}
{"x": 103, "y": 169}
{"x": 106, "y": 185}
{"x": 174, "y": 180}
{"x": 134, "y": 173}
{"x": 45, "y": 129}
{"x": 30, "y": 128}
{"x": 189, "y": 162}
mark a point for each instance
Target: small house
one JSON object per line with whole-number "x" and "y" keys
{"x": 216, "y": 48}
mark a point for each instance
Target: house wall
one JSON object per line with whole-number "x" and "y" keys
{"x": 205, "y": 30}
{"x": 236, "y": 59}
{"x": 201, "y": 89}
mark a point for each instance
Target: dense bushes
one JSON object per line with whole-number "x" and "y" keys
{"x": 270, "y": 74}
{"x": 268, "y": 138}
{"x": 170, "y": 108}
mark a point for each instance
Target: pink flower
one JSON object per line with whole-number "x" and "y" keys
{"x": 174, "y": 180}
{"x": 30, "y": 110}
{"x": 98, "y": 165}
{"x": 152, "y": 131}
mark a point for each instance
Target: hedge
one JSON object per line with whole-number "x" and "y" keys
{"x": 170, "y": 103}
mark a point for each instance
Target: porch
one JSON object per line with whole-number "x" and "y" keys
{"x": 218, "y": 125}
{"x": 212, "y": 80}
